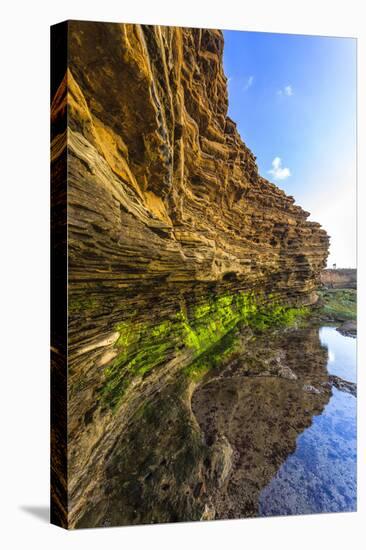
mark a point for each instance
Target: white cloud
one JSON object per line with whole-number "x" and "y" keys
{"x": 286, "y": 90}
{"x": 277, "y": 171}
{"x": 248, "y": 83}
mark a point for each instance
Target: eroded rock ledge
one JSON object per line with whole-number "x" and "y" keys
{"x": 173, "y": 236}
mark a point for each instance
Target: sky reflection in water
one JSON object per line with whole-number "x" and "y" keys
{"x": 320, "y": 476}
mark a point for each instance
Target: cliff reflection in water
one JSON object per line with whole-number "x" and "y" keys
{"x": 205, "y": 447}
{"x": 258, "y": 407}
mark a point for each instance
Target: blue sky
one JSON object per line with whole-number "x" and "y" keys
{"x": 293, "y": 98}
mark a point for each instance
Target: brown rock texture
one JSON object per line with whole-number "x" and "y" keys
{"x": 166, "y": 213}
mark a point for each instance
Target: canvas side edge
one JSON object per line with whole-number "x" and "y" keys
{"x": 58, "y": 253}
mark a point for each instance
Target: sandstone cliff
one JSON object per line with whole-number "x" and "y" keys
{"x": 173, "y": 236}
{"x": 339, "y": 278}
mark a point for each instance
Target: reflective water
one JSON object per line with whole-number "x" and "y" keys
{"x": 256, "y": 426}
{"x": 341, "y": 353}
{"x": 320, "y": 476}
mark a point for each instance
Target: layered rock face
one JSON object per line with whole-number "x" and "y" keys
{"x": 160, "y": 180}
{"x": 173, "y": 236}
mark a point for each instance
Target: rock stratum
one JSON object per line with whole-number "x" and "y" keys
{"x": 173, "y": 236}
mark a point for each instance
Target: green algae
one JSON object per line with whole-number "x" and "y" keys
{"x": 339, "y": 304}
{"x": 225, "y": 312}
{"x": 78, "y": 304}
{"x": 200, "y": 329}
{"x": 134, "y": 360}
{"x": 216, "y": 356}
{"x": 127, "y": 335}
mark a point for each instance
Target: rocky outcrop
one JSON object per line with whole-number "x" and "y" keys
{"x": 348, "y": 328}
{"x": 339, "y": 278}
{"x": 173, "y": 236}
